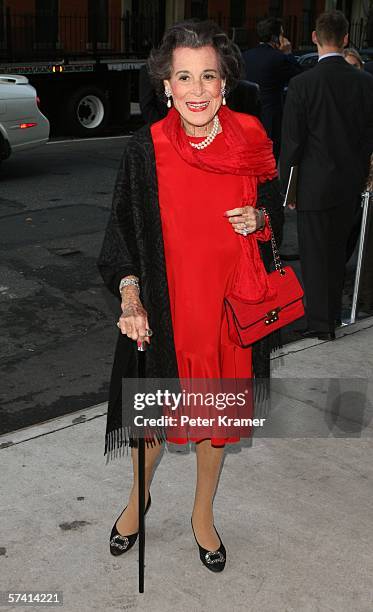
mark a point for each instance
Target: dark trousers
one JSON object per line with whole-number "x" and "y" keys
{"x": 323, "y": 237}
{"x": 272, "y": 120}
{"x": 355, "y": 231}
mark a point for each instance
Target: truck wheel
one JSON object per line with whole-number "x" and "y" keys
{"x": 88, "y": 111}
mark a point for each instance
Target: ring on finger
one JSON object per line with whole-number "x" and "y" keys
{"x": 148, "y": 332}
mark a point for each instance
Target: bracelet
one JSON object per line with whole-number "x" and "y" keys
{"x": 126, "y": 282}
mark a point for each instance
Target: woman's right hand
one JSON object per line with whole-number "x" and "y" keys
{"x": 134, "y": 319}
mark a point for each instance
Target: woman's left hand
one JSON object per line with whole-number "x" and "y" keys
{"x": 245, "y": 220}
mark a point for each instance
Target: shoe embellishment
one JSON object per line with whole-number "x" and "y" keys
{"x": 119, "y": 541}
{"x": 218, "y": 557}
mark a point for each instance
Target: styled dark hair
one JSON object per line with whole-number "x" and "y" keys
{"x": 269, "y": 29}
{"x": 331, "y": 27}
{"x": 195, "y": 34}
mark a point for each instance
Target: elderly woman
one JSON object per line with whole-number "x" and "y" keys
{"x": 185, "y": 196}
{"x": 353, "y": 57}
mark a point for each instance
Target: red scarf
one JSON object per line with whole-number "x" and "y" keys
{"x": 250, "y": 155}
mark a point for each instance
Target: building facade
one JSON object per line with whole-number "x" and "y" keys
{"x": 299, "y": 16}
{"x": 134, "y": 26}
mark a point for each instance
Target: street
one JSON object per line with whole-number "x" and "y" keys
{"x": 57, "y": 320}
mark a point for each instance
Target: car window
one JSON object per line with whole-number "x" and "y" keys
{"x": 309, "y": 61}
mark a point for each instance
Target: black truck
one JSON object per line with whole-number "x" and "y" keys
{"x": 84, "y": 68}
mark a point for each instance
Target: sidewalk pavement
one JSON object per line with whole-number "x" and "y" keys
{"x": 294, "y": 513}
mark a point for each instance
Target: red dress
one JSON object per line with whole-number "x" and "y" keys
{"x": 201, "y": 252}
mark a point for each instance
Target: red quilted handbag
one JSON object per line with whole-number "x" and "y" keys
{"x": 248, "y": 323}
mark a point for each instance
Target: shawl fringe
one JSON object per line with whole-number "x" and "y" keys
{"x": 120, "y": 440}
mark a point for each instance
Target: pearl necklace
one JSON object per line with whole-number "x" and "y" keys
{"x": 208, "y": 140}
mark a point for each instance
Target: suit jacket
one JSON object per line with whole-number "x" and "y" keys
{"x": 272, "y": 70}
{"x": 133, "y": 244}
{"x": 368, "y": 67}
{"x": 327, "y": 131}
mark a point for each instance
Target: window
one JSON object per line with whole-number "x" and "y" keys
{"x": 238, "y": 13}
{"x": 98, "y": 20}
{"x": 345, "y": 6}
{"x": 46, "y": 22}
{"x": 275, "y": 8}
{"x": 199, "y": 9}
{"x": 2, "y": 24}
{"x": 308, "y": 21}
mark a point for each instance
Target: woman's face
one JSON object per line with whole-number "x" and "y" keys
{"x": 195, "y": 84}
{"x": 351, "y": 59}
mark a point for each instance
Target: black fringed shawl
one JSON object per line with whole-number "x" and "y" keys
{"x": 133, "y": 244}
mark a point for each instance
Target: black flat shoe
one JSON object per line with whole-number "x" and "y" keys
{"x": 214, "y": 560}
{"x": 320, "y": 335}
{"x": 119, "y": 543}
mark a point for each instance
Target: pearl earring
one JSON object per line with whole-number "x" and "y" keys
{"x": 168, "y": 95}
{"x": 223, "y": 92}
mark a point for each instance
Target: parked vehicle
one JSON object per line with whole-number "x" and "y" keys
{"x": 309, "y": 60}
{"x": 366, "y": 54}
{"x": 22, "y": 125}
{"x": 84, "y": 67}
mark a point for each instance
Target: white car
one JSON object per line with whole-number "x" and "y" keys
{"x": 22, "y": 125}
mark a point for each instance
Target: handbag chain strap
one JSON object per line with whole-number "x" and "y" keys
{"x": 276, "y": 255}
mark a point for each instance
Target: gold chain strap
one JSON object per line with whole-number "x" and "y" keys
{"x": 276, "y": 255}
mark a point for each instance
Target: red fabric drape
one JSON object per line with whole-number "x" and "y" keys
{"x": 251, "y": 156}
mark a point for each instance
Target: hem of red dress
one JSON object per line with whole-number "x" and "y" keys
{"x": 214, "y": 441}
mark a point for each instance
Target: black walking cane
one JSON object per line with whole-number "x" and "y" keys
{"x": 141, "y": 347}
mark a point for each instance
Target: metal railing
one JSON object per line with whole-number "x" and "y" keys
{"x": 31, "y": 37}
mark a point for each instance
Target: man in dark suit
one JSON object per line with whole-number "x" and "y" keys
{"x": 328, "y": 133}
{"x": 271, "y": 65}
